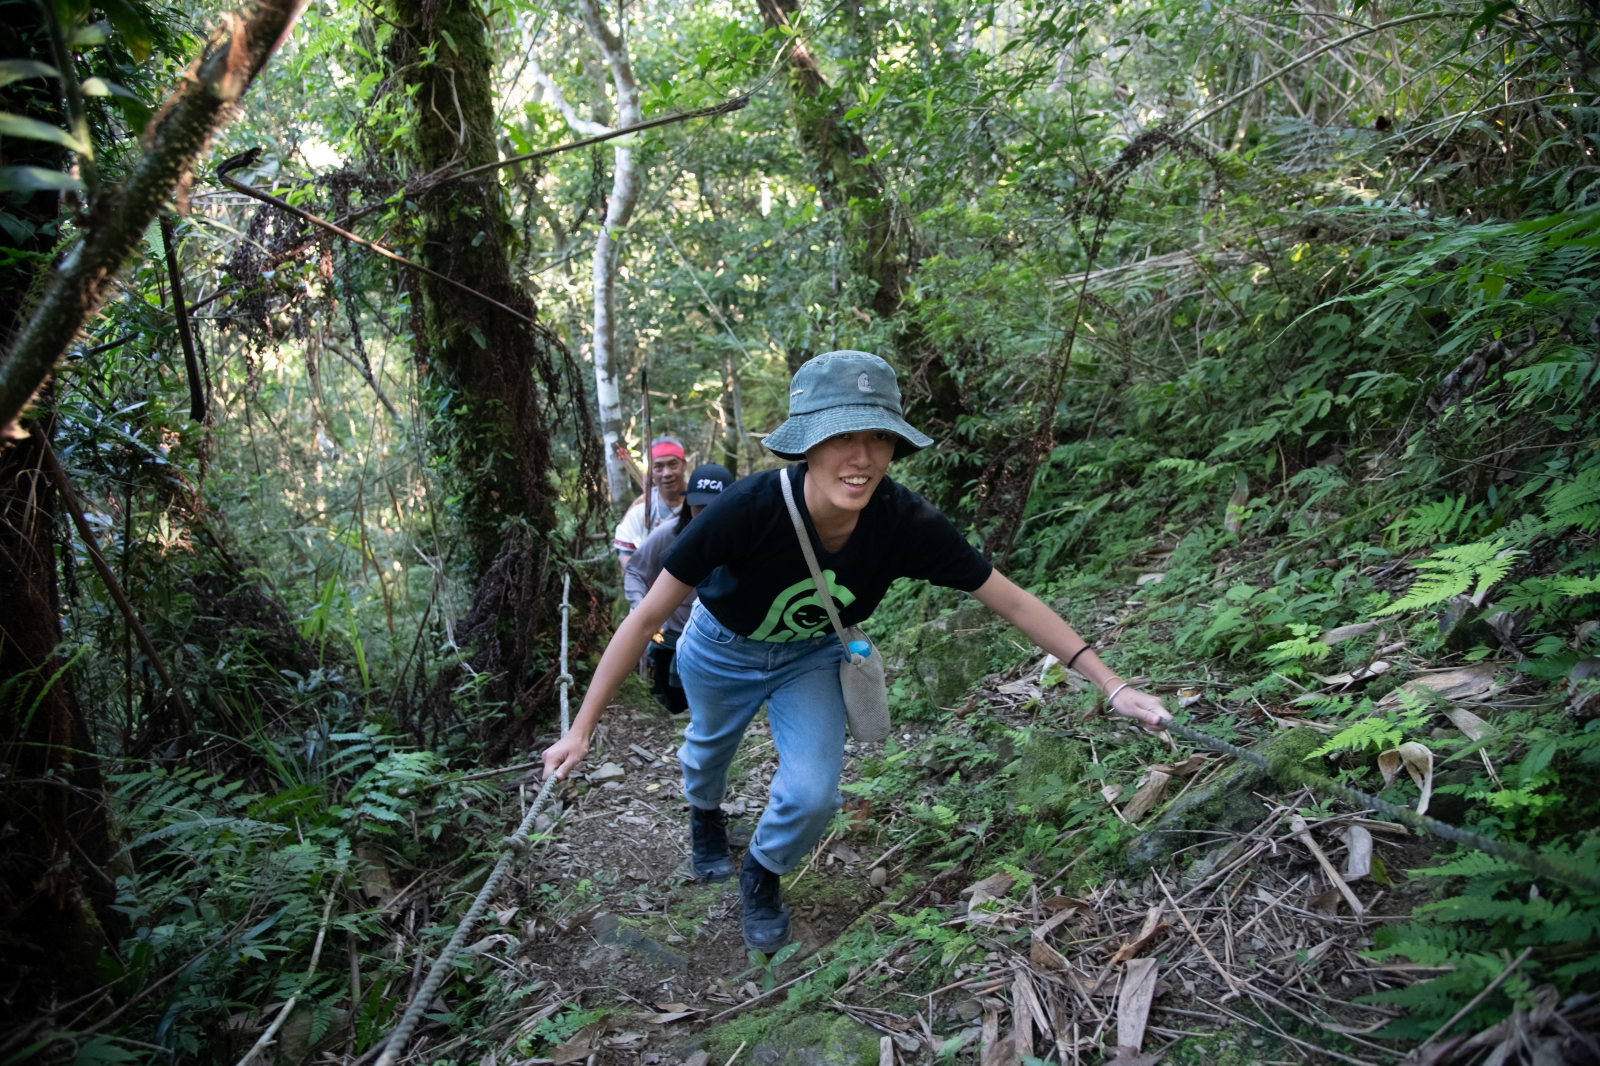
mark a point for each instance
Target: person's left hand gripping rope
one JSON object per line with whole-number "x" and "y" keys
{"x": 561, "y": 757}
{"x": 1143, "y": 708}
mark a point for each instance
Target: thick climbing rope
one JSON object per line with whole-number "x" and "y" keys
{"x": 516, "y": 846}
{"x": 1556, "y": 867}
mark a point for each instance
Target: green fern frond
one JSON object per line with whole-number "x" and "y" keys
{"x": 1450, "y": 572}
{"x": 1365, "y": 735}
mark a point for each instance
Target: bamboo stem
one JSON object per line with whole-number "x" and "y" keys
{"x": 191, "y": 365}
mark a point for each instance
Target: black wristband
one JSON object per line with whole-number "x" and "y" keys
{"x": 1075, "y": 655}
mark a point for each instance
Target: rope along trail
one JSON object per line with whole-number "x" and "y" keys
{"x": 1559, "y": 868}
{"x": 516, "y": 846}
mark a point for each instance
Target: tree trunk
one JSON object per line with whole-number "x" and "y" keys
{"x": 504, "y": 383}
{"x": 877, "y": 235}
{"x": 879, "y": 243}
{"x": 52, "y": 879}
{"x": 607, "y": 252}
{"x": 118, "y": 218}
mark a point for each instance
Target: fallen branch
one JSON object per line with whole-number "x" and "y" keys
{"x": 288, "y": 1007}
{"x": 118, "y": 220}
{"x": 770, "y": 992}
{"x": 1471, "y": 1006}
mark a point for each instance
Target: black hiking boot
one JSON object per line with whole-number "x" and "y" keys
{"x": 766, "y": 919}
{"x": 708, "y": 837}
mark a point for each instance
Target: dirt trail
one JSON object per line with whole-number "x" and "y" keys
{"x": 631, "y": 923}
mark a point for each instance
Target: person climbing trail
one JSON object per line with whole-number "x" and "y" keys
{"x": 705, "y": 484}
{"x": 760, "y": 633}
{"x": 667, "y": 464}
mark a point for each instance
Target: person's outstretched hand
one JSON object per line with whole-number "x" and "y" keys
{"x": 564, "y": 754}
{"x": 1140, "y": 706}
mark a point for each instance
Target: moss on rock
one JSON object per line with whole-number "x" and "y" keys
{"x": 820, "y": 1039}
{"x": 1224, "y": 804}
{"x": 1049, "y": 769}
{"x": 951, "y": 655}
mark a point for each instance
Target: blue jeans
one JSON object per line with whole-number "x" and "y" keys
{"x": 727, "y": 677}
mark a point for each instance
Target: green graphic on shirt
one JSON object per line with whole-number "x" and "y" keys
{"x": 797, "y": 613}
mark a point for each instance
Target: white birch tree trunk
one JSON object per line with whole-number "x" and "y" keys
{"x": 607, "y": 251}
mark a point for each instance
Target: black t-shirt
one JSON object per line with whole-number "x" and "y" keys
{"x": 743, "y": 555}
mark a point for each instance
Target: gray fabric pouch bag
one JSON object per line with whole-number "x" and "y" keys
{"x": 866, "y": 692}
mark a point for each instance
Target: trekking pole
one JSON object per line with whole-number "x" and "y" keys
{"x": 649, "y": 464}
{"x": 564, "y": 679}
{"x": 516, "y": 847}
{"x": 1558, "y": 868}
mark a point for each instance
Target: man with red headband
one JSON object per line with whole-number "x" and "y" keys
{"x": 667, "y": 469}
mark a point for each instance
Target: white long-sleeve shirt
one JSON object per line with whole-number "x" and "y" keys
{"x": 631, "y": 532}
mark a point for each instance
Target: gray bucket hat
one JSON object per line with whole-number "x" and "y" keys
{"x": 843, "y": 392}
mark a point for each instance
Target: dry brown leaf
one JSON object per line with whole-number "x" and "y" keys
{"x": 1041, "y": 953}
{"x": 1150, "y": 794}
{"x": 1133, "y": 1005}
{"x": 1021, "y": 1027}
{"x": 1238, "y": 501}
{"x": 575, "y": 1050}
{"x": 845, "y": 853}
{"x": 1111, "y": 791}
{"x": 1064, "y": 903}
{"x": 1459, "y": 684}
{"x": 1326, "y": 902}
{"x": 1418, "y": 762}
{"x": 669, "y": 1017}
{"x": 993, "y": 1053}
{"x": 992, "y": 887}
{"x": 1365, "y": 673}
{"x": 374, "y": 875}
{"x": 1152, "y": 930}
{"x": 1582, "y": 701}
{"x": 1341, "y": 634}
{"x": 1046, "y": 958}
{"x": 1474, "y": 727}
{"x": 1358, "y": 859}
{"x": 1026, "y": 1007}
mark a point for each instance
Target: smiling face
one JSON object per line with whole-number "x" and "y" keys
{"x": 847, "y": 468}
{"x": 667, "y": 474}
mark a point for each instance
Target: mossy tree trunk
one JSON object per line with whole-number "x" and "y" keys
{"x": 499, "y": 385}
{"x": 877, "y": 234}
{"x": 879, "y": 241}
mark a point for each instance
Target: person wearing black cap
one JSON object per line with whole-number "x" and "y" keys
{"x": 644, "y": 566}
{"x": 762, "y": 558}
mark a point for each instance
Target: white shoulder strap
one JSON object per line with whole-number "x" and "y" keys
{"x": 811, "y": 561}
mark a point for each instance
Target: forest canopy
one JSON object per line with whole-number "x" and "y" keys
{"x": 1259, "y": 339}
